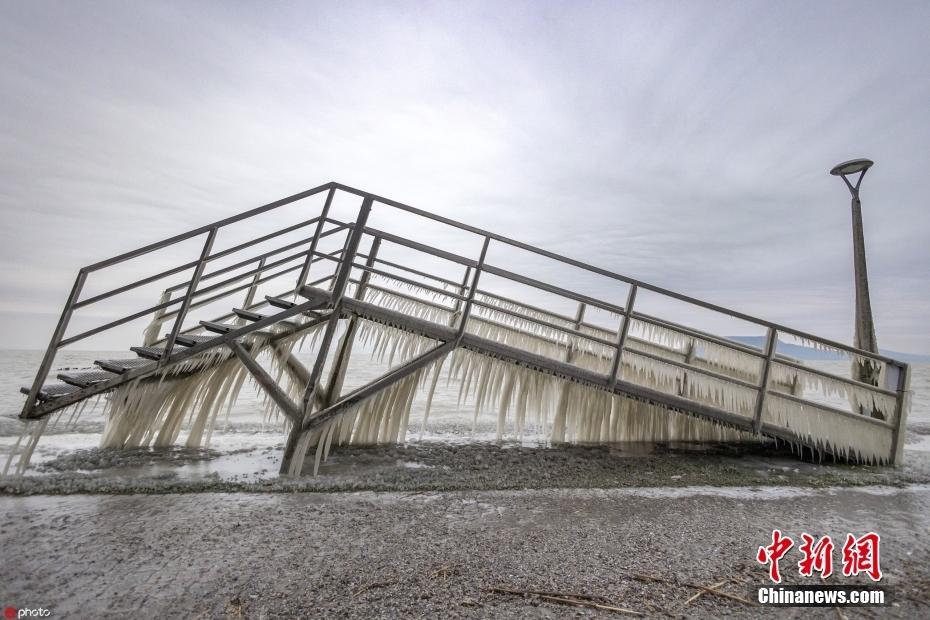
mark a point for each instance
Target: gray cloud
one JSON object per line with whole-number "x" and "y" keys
{"x": 684, "y": 144}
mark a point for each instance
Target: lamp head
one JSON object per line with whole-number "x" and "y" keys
{"x": 851, "y": 167}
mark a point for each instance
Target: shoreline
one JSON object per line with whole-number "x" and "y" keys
{"x": 447, "y": 467}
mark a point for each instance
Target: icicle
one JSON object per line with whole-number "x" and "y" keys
{"x": 150, "y": 333}
{"x": 837, "y": 387}
{"x": 861, "y": 440}
{"x": 32, "y": 432}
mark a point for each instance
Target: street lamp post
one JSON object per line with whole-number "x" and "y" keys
{"x": 864, "y": 337}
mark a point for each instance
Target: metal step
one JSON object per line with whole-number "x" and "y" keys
{"x": 248, "y": 315}
{"x": 51, "y": 391}
{"x": 285, "y": 304}
{"x": 188, "y": 340}
{"x": 279, "y": 302}
{"x": 86, "y": 377}
{"x": 121, "y": 366}
{"x": 218, "y": 328}
{"x": 152, "y": 353}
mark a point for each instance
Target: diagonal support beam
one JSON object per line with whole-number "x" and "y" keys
{"x": 309, "y": 423}
{"x": 48, "y": 407}
{"x": 264, "y": 379}
{"x": 301, "y": 373}
{"x": 384, "y": 381}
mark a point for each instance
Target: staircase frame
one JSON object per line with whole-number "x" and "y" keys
{"x": 338, "y": 304}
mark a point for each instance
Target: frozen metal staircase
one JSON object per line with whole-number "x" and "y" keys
{"x": 668, "y": 366}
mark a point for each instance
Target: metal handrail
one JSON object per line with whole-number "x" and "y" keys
{"x": 58, "y": 340}
{"x": 345, "y": 260}
{"x": 609, "y": 274}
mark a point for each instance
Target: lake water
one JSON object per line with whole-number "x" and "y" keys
{"x": 249, "y": 444}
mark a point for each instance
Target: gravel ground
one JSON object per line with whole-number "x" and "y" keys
{"x": 438, "y": 554}
{"x": 436, "y": 466}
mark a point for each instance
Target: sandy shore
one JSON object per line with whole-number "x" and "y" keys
{"x": 437, "y": 554}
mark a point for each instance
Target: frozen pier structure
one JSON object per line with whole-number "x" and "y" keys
{"x": 538, "y": 351}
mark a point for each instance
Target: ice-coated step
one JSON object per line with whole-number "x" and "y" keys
{"x": 217, "y": 328}
{"x": 121, "y": 366}
{"x": 51, "y": 391}
{"x": 87, "y": 377}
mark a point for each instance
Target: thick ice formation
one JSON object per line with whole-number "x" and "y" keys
{"x": 152, "y": 331}
{"x": 153, "y": 411}
{"x": 190, "y": 395}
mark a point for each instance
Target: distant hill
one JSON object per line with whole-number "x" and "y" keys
{"x": 808, "y": 353}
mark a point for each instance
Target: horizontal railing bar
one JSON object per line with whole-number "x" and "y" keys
{"x": 700, "y": 335}
{"x": 253, "y": 259}
{"x": 414, "y": 210}
{"x": 480, "y": 292}
{"x": 421, "y": 247}
{"x": 192, "y": 264}
{"x": 848, "y": 414}
{"x": 694, "y": 333}
{"x": 204, "y": 229}
{"x": 426, "y": 287}
{"x": 497, "y": 271}
{"x": 137, "y": 284}
{"x": 537, "y": 321}
{"x": 823, "y": 373}
{"x": 542, "y": 337}
{"x": 262, "y": 239}
{"x": 392, "y": 276}
{"x": 257, "y": 304}
{"x": 242, "y": 276}
{"x": 411, "y": 270}
{"x": 252, "y": 272}
{"x": 168, "y": 315}
{"x": 611, "y": 274}
{"x": 690, "y": 368}
{"x": 228, "y": 292}
{"x": 838, "y": 345}
{"x": 567, "y": 330}
{"x": 419, "y": 300}
{"x": 126, "y": 319}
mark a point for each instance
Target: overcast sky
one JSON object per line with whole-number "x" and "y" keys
{"x": 685, "y": 143}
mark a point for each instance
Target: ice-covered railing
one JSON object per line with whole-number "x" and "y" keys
{"x": 201, "y": 288}
{"x": 760, "y": 390}
{"x": 641, "y": 358}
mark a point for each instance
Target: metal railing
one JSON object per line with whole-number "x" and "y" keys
{"x": 465, "y": 297}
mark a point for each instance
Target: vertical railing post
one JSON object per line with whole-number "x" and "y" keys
{"x": 343, "y": 252}
{"x": 191, "y": 288}
{"x": 579, "y": 318}
{"x": 305, "y": 270}
{"x": 457, "y": 306}
{"x": 771, "y": 345}
{"x": 622, "y": 334}
{"x": 902, "y": 406}
{"x": 341, "y": 361}
{"x": 340, "y": 281}
{"x": 466, "y": 312}
{"x": 250, "y": 294}
{"x": 52, "y": 350}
